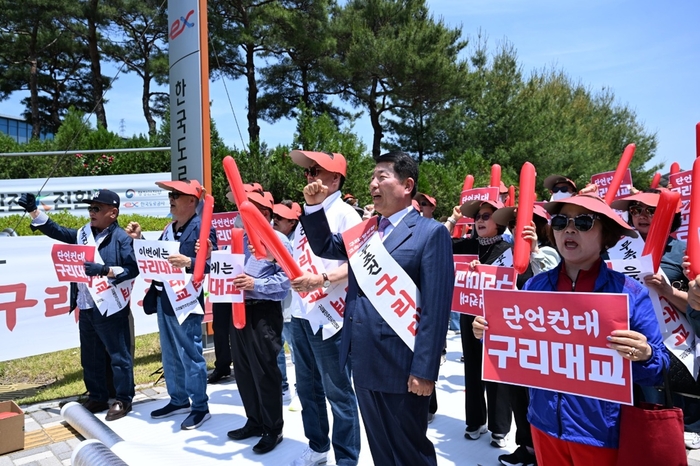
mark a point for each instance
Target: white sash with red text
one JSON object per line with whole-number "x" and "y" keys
{"x": 109, "y": 299}
{"x": 323, "y": 308}
{"x": 389, "y": 288}
{"x": 181, "y": 293}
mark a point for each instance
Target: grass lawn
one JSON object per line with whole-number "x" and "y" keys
{"x": 62, "y": 375}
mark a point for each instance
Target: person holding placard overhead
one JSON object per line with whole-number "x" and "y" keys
{"x": 103, "y": 323}
{"x": 400, "y": 271}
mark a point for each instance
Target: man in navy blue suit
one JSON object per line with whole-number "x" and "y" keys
{"x": 404, "y": 260}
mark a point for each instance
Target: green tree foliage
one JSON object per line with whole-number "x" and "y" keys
{"x": 303, "y": 44}
{"x": 138, "y": 37}
{"x": 393, "y": 56}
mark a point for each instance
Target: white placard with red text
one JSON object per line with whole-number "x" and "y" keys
{"x": 324, "y": 307}
{"x": 602, "y": 180}
{"x": 682, "y": 183}
{"x": 470, "y": 282}
{"x": 389, "y": 288}
{"x": 225, "y": 266}
{"x": 152, "y": 259}
{"x": 557, "y": 341}
{"x": 69, "y": 261}
{"x": 677, "y": 333}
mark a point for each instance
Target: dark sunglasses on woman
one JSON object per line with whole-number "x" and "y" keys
{"x": 582, "y": 222}
{"x": 485, "y": 217}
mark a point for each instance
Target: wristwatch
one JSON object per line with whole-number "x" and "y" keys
{"x": 326, "y": 281}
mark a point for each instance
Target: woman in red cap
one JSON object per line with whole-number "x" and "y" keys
{"x": 572, "y": 429}
{"x": 487, "y": 242}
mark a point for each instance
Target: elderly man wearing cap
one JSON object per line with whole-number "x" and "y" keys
{"x": 104, "y": 329}
{"x": 181, "y": 343}
{"x": 257, "y": 345}
{"x": 394, "y": 366}
{"x": 317, "y": 325}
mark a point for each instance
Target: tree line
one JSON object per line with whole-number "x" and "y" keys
{"x": 455, "y": 102}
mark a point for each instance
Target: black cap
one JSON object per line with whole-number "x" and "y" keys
{"x": 104, "y": 196}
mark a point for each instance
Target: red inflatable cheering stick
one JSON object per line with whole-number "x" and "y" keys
{"x": 468, "y": 182}
{"x": 495, "y": 176}
{"x": 661, "y": 226}
{"x": 237, "y": 248}
{"x": 510, "y": 202}
{"x": 697, "y": 140}
{"x": 675, "y": 168}
{"x": 204, "y": 229}
{"x": 521, "y": 247}
{"x": 239, "y": 196}
{"x": 268, "y": 236}
{"x": 622, "y": 167}
{"x": 694, "y": 224}
{"x": 655, "y": 181}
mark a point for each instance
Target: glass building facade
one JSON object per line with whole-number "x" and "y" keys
{"x": 18, "y": 129}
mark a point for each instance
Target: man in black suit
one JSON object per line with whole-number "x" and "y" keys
{"x": 406, "y": 261}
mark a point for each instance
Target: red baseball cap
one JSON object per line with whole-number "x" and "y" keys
{"x": 502, "y": 189}
{"x": 332, "y": 162}
{"x": 189, "y": 187}
{"x": 420, "y": 197}
{"x": 348, "y": 196}
{"x": 593, "y": 204}
{"x": 283, "y": 211}
{"x": 264, "y": 199}
{"x": 553, "y": 180}
{"x": 471, "y": 208}
{"x": 415, "y": 205}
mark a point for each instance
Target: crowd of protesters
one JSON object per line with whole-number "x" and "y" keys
{"x": 360, "y": 362}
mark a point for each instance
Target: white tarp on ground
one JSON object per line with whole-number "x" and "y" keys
{"x": 138, "y": 193}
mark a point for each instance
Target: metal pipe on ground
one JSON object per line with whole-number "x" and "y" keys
{"x": 88, "y": 425}
{"x": 92, "y": 452}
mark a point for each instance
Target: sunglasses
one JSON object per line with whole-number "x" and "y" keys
{"x": 485, "y": 217}
{"x": 636, "y": 211}
{"x": 93, "y": 209}
{"x": 173, "y": 195}
{"x": 583, "y": 222}
{"x": 561, "y": 189}
{"x": 425, "y": 203}
{"x": 313, "y": 171}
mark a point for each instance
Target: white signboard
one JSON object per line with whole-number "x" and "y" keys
{"x": 186, "y": 90}
{"x": 138, "y": 194}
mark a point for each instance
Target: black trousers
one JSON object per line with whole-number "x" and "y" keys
{"x": 396, "y": 426}
{"x": 255, "y": 350}
{"x": 222, "y": 325}
{"x": 519, "y": 400}
{"x": 499, "y": 411}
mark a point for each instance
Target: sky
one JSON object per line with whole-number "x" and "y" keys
{"x": 647, "y": 52}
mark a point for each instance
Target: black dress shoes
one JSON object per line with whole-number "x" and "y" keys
{"x": 95, "y": 406}
{"x": 267, "y": 443}
{"x": 245, "y": 432}
{"x": 118, "y": 410}
{"x": 216, "y": 376}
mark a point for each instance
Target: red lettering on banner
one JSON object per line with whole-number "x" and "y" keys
{"x": 101, "y": 286}
{"x": 317, "y": 295}
{"x": 413, "y": 326}
{"x": 50, "y": 304}
{"x": 182, "y": 294}
{"x": 305, "y": 258}
{"x": 126, "y": 293}
{"x": 388, "y": 281}
{"x": 681, "y": 334}
{"x": 339, "y": 306}
{"x": 303, "y": 241}
{"x": 401, "y": 306}
{"x": 20, "y": 301}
